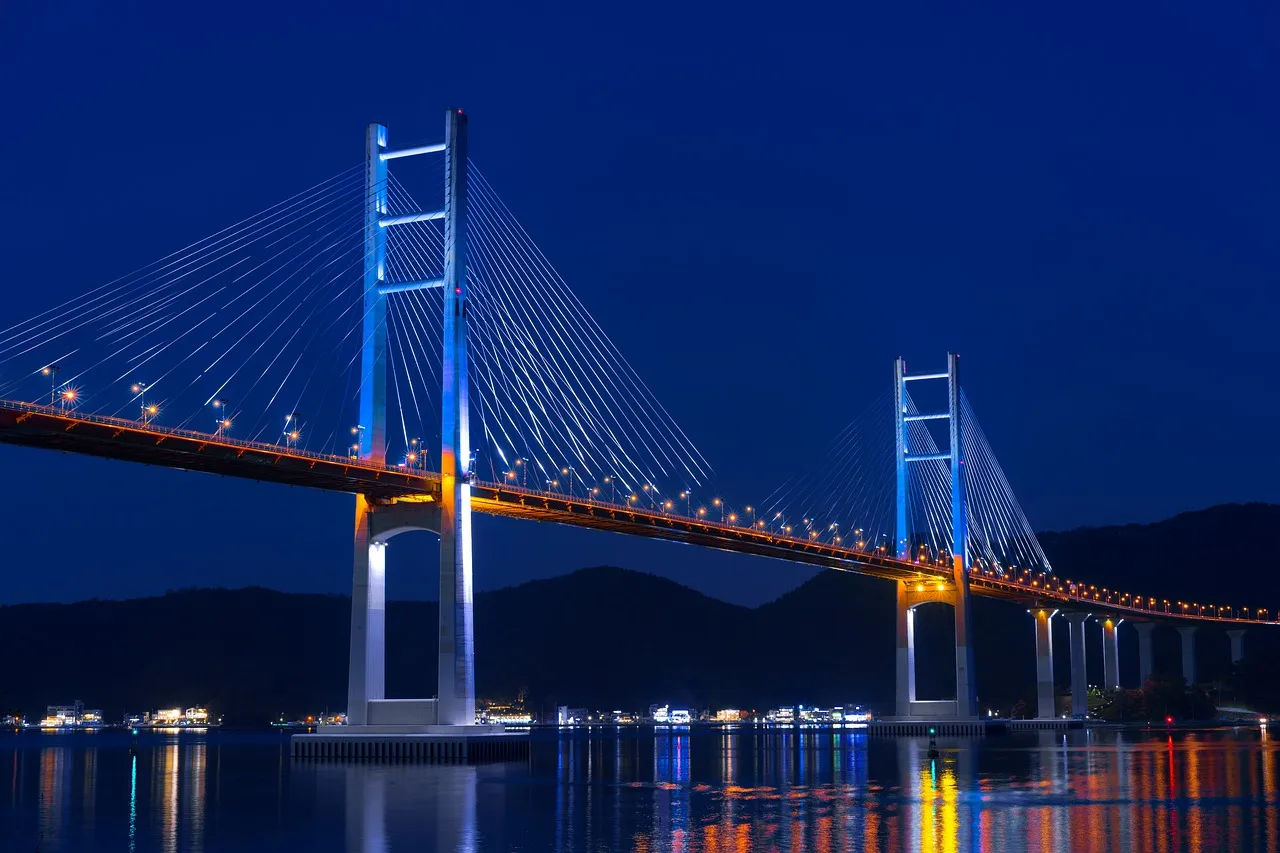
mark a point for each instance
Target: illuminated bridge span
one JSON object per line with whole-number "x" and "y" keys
{"x": 323, "y": 337}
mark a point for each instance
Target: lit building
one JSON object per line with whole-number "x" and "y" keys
{"x": 71, "y": 716}
{"x": 507, "y": 714}
{"x": 567, "y": 716}
{"x": 783, "y": 716}
{"x": 730, "y": 715}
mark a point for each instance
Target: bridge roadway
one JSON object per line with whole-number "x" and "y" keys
{"x": 32, "y": 425}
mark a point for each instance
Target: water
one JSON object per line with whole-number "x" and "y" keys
{"x": 709, "y": 790}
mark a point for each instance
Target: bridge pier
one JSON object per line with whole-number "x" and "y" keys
{"x": 376, "y": 524}
{"x": 366, "y": 679}
{"x": 1188, "y": 633}
{"x": 1044, "y": 663}
{"x": 1079, "y": 675}
{"x": 1237, "y": 644}
{"x": 1110, "y": 654}
{"x": 911, "y": 596}
{"x": 1146, "y": 651}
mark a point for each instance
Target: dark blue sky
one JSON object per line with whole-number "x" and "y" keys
{"x": 761, "y": 204}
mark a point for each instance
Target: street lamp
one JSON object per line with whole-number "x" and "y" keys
{"x": 612, "y": 489}
{"x": 67, "y": 399}
{"x": 571, "y": 471}
{"x": 223, "y": 421}
{"x": 719, "y": 503}
{"x": 52, "y": 372}
{"x": 687, "y": 494}
{"x": 292, "y": 429}
{"x": 149, "y": 412}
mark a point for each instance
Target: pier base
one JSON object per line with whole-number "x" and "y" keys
{"x": 424, "y": 744}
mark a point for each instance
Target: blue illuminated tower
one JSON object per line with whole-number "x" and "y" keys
{"x": 966, "y": 691}
{"x": 456, "y": 687}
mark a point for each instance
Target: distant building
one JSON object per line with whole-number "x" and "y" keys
{"x": 71, "y": 716}
{"x": 730, "y": 715}
{"x": 660, "y": 713}
{"x": 514, "y": 714}
{"x": 567, "y": 716}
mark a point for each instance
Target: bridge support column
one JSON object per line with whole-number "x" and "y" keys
{"x": 1110, "y": 654}
{"x": 911, "y": 596}
{"x": 906, "y": 660}
{"x": 1237, "y": 644}
{"x": 1188, "y": 633}
{"x": 1079, "y": 675}
{"x": 1044, "y": 663}
{"x": 457, "y": 687}
{"x": 365, "y": 673}
{"x": 1146, "y": 651}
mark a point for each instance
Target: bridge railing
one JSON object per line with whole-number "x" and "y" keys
{"x": 197, "y": 435}
{"x": 1024, "y": 583}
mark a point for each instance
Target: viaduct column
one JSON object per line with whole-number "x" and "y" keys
{"x": 456, "y": 697}
{"x": 1146, "y": 651}
{"x": 366, "y": 665}
{"x": 1237, "y": 644}
{"x": 1044, "y": 662}
{"x": 1079, "y": 677}
{"x": 1110, "y": 654}
{"x": 906, "y": 660}
{"x": 1188, "y": 633}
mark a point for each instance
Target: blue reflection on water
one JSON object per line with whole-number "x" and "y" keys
{"x": 668, "y": 791}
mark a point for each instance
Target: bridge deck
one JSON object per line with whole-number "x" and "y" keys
{"x": 31, "y": 425}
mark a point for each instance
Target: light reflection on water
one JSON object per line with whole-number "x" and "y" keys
{"x": 669, "y": 791}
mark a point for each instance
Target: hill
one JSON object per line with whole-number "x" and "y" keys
{"x": 608, "y": 637}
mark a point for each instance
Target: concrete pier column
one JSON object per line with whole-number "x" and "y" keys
{"x": 906, "y": 660}
{"x": 1146, "y": 651}
{"x": 1237, "y": 644}
{"x": 1079, "y": 677}
{"x": 966, "y": 679}
{"x": 1110, "y": 654}
{"x": 1188, "y": 633}
{"x": 1044, "y": 662}
{"x": 366, "y": 665}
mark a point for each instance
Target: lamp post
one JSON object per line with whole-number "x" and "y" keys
{"x": 716, "y": 502}
{"x": 149, "y": 412}
{"x": 687, "y": 494}
{"x": 292, "y": 430}
{"x": 52, "y": 372}
{"x": 223, "y": 421}
{"x": 67, "y": 399}
{"x": 612, "y": 489}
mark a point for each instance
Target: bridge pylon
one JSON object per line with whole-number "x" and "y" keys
{"x": 966, "y": 702}
{"x": 447, "y": 513}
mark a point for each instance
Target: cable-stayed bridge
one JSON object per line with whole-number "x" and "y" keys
{"x": 431, "y": 361}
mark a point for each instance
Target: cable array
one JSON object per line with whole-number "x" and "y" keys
{"x": 236, "y": 333}
{"x": 848, "y": 498}
{"x": 553, "y": 402}
{"x": 853, "y": 491}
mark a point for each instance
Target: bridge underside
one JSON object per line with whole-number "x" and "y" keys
{"x": 110, "y": 439}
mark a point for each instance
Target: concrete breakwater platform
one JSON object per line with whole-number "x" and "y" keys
{"x": 450, "y": 745}
{"x": 973, "y": 728}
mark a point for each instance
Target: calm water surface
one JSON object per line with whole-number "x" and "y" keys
{"x": 741, "y": 790}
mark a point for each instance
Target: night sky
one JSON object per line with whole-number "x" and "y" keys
{"x": 762, "y": 205}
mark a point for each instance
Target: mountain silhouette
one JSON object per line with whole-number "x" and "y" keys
{"x": 608, "y": 638}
